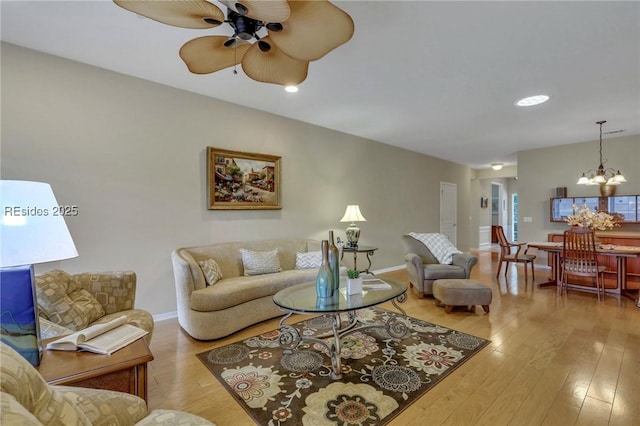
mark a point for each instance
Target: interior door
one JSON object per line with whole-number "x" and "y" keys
{"x": 449, "y": 210}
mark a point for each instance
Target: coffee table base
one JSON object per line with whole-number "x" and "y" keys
{"x": 290, "y": 337}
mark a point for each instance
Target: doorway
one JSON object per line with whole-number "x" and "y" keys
{"x": 514, "y": 217}
{"x": 499, "y": 215}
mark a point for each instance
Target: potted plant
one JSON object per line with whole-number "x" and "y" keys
{"x": 354, "y": 282}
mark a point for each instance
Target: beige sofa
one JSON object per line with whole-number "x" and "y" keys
{"x": 236, "y": 301}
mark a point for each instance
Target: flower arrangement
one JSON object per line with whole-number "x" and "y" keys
{"x": 598, "y": 221}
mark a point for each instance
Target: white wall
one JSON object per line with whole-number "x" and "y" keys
{"x": 131, "y": 155}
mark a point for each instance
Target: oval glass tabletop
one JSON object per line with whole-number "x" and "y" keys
{"x": 303, "y": 298}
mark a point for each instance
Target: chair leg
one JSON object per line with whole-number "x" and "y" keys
{"x": 533, "y": 273}
{"x": 600, "y": 283}
{"x": 526, "y": 276}
{"x": 499, "y": 268}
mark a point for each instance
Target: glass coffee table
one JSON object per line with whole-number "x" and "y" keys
{"x": 302, "y": 299}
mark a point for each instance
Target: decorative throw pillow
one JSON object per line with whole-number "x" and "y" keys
{"x": 308, "y": 260}
{"x": 260, "y": 262}
{"x": 211, "y": 270}
{"x": 63, "y": 302}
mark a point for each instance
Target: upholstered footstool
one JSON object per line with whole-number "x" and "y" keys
{"x": 461, "y": 292}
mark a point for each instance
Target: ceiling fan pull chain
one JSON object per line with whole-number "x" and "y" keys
{"x": 235, "y": 60}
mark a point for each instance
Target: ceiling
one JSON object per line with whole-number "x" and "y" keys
{"x": 439, "y": 78}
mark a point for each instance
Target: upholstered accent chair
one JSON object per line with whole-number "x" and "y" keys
{"x": 423, "y": 268}
{"x": 26, "y": 399}
{"x": 68, "y": 303}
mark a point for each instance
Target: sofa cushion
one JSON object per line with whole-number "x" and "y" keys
{"x": 211, "y": 270}
{"x": 64, "y": 302}
{"x": 438, "y": 271}
{"x": 308, "y": 260}
{"x": 234, "y": 291}
{"x": 260, "y": 262}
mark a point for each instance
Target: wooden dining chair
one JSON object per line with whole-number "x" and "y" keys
{"x": 579, "y": 258}
{"x": 507, "y": 255}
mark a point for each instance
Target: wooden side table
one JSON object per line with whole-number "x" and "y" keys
{"x": 360, "y": 249}
{"x": 123, "y": 371}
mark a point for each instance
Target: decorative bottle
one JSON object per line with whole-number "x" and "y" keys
{"x": 334, "y": 262}
{"x": 324, "y": 279}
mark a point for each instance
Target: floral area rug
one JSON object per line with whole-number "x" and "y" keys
{"x": 381, "y": 376}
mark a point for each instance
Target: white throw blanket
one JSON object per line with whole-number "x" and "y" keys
{"x": 439, "y": 245}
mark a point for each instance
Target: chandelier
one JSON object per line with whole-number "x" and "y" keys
{"x": 601, "y": 176}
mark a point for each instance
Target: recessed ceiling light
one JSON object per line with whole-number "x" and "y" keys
{"x": 291, "y": 89}
{"x": 532, "y": 100}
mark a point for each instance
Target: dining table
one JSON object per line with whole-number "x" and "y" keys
{"x": 621, "y": 253}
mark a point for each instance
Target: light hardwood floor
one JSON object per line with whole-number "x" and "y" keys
{"x": 553, "y": 360}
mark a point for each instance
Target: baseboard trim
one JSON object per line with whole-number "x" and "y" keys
{"x": 165, "y": 316}
{"x": 390, "y": 269}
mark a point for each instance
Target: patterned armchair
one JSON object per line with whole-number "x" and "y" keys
{"x": 69, "y": 303}
{"x": 26, "y": 399}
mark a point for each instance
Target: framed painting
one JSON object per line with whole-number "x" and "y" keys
{"x": 242, "y": 180}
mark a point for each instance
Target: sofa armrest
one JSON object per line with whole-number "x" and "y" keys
{"x": 116, "y": 291}
{"x": 50, "y": 329}
{"x": 415, "y": 268}
{"x": 465, "y": 261}
{"x": 160, "y": 417}
{"x": 105, "y": 407}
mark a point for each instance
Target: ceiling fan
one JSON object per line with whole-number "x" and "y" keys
{"x": 297, "y": 32}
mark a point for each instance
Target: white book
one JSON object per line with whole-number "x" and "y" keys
{"x": 100, "y": 338}
{"x": 375, "y": 284}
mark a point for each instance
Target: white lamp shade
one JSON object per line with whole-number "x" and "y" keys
{"x": 32, "y": 230}
{"x": 352, "y": 214}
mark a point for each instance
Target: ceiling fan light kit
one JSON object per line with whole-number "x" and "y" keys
{"x": 273, "y": 41}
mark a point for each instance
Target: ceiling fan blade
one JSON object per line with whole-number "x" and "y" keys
{"x": 265, "y": 11}
{"x": 314, "y": 29}
{"x": 179, "y": 13}
{"x": 204, "y": 55}
{"x": 273, "y": 66}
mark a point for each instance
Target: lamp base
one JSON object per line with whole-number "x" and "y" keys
{"x": 353, "y": 234}
{"x": 19, "y": 323}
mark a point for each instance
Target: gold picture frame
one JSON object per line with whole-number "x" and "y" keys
{"x": 242, "y": 180}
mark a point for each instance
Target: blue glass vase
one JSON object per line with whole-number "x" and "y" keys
{"x": 324, "y": 279}
{"x": 334, "y": 262}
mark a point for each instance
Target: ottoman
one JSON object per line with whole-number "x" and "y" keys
{"x": 461, "y": 292}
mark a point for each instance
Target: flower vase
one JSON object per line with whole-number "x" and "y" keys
{"x": 324, "y": 279}
{"x": 334, "y": 262}
{"x": 354, "y": 285}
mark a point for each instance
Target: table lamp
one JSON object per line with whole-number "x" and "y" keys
{"x": 352, "y": 214}
{"x": 32, "y": 230}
